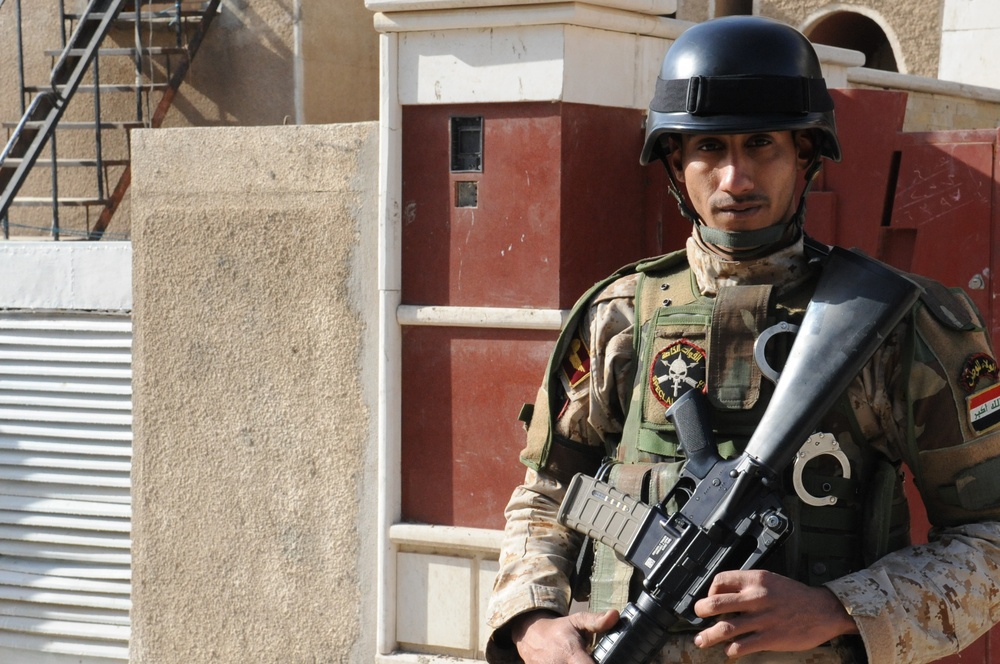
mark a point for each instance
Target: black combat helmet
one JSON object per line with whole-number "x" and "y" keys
{"x": 738, "y": 75}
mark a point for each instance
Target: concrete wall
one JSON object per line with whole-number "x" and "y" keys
{"x": 916, "y": 26}
{"x": 279, "y": 62}
{"x": 254, "y": 394}
{"x": 266, "y": 62}
{"x": 260, "y": 61}
{"x": 932, "y": 104}
{"x": 339, "y": 62}
{"x": 938, "y": 112}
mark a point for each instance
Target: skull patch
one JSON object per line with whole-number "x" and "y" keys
{"x": 676, "y": 369}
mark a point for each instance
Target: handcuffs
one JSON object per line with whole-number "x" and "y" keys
{"x": 818, "y": 444}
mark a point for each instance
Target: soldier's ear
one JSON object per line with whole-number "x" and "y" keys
{"x": 806, "y": 151}
{"x": 675, "y": 156}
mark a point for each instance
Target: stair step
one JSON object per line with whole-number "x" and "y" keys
{"x": 168, "y": 4}
{"x": 146, "y": 50}
{"x": 87, "y": 162}
{"x": 105, "y": 87}
{"x": 67, "y": 201}
{"x": 105, "y": 124}
{"x": 64, "y": 236}
{"x": 162, "y": 16}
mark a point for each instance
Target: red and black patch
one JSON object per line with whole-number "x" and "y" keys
{"x": 576, "y": 362}
{"x": 977, "y": 367}
{"x": 677, "y": 369}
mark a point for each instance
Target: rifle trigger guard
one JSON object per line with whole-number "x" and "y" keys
{"x": 817, "y": 445}
{"x": 760, "y": 345}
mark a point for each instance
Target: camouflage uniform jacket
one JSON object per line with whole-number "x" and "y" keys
{"x": 917, "y": 604}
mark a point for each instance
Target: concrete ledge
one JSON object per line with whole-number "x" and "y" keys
{"x": 567, "y": 13}
{"x": 421, "y": 658}
{"x": 654, "y": 7}
{"x": 448, "y": 538}
{"x": 895, "y": 81}
{"x": 843, "y": 57}
{"x": 489, "y": 317}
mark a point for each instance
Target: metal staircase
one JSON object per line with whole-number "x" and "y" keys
{"x": 164, "y": 36}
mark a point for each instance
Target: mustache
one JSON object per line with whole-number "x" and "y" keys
{"x": 724, "y": 201}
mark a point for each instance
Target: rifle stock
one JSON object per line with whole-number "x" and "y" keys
{"x": 857, "y": 302}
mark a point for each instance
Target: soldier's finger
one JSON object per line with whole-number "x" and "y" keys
{"x": 594, "y": 623}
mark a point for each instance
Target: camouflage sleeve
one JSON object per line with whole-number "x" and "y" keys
{"x": 924, "y": 391}
{"x": 537, "y": 560}
{"x": 929, "y": 601}
{"x": 596, "y": 396}
{"x": 538, "y": 556}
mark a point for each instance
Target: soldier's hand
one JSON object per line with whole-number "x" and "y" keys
{"x": 542, "y": 637}
{"x": 758, "y": 611}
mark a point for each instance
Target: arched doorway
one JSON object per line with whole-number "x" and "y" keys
{"x": 733, "y": 8}
{"x": 848, "y": 29}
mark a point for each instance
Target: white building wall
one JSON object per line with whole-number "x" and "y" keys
{"x": 969, "y": 33}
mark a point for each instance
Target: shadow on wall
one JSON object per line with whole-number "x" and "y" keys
{"x": 245, "y": 71}
{"x": 857, "y": 32}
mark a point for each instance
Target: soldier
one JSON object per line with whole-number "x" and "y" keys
{"x": 740, "y": 115}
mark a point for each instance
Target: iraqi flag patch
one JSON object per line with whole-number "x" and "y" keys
{"x": 984, "y": 409}
{"x": 677, "y": 369}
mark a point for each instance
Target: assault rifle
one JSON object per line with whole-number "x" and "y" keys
{"x": 730, "y": 513}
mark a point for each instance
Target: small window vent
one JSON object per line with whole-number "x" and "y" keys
{"x": 467, "y": 144}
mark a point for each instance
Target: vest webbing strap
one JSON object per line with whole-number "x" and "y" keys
{"x": 977, "y": 488}
{"x": 737, "y": 319}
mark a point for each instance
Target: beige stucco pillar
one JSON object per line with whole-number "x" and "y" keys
{"x": 254, "y": 395}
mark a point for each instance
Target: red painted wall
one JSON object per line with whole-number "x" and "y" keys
{"x": 562, "y": 202}
{"x": 922, "y": 202}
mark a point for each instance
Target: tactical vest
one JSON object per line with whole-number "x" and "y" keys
{"x": 686, "y": 341}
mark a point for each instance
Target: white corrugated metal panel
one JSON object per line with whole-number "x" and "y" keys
{"x": 65, "y": 508}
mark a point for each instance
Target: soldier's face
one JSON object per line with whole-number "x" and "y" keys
{"x": 742, "y": 182}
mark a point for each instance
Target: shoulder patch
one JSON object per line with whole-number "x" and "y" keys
{"x": 977, "y": 367}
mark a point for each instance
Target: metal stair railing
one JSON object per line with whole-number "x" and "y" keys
{"x": 176, "y": 78}
{"x": 188, "y": 21}
{"x": 41, "y": 117}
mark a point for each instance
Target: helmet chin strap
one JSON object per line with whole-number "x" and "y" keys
{"x": 745, "y": 244}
